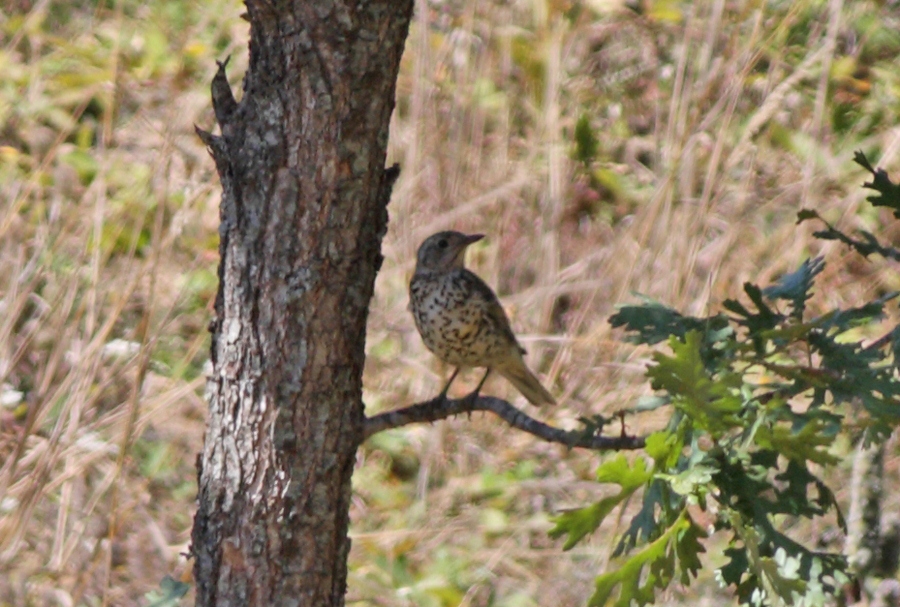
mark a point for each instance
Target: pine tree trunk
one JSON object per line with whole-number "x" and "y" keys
{"x": 301, "y": 161}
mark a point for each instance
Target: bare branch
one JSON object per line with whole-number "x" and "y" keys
{"x": 440, "y": 408}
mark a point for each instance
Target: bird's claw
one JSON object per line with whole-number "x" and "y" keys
{"x": 471, "y": 397}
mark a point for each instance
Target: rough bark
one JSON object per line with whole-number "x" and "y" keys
{"x": 872, "y": 545}
{"x": 864, "y": 515}
{"x": 301, "y": 161}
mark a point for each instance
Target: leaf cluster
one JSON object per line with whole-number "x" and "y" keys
{"x": 759, "y": 394}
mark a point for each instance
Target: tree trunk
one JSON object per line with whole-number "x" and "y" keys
{"x": 301, "y": 161}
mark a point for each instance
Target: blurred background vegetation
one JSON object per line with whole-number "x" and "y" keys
{"x": 605, "y": 147}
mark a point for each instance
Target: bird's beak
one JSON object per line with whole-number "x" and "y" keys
{"x": 460, "y": 251}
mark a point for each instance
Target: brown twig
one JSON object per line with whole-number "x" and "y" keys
{"x": 440, "y": 408}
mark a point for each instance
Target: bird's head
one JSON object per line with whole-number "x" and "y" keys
{"x": 444, "y": 251}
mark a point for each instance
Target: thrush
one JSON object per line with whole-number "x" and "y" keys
{"x": 460, "y": 319}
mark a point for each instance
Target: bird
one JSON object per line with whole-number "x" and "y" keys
{"x": 461, "y": 320}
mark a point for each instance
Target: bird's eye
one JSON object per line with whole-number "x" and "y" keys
{"x": 442, "y": 243}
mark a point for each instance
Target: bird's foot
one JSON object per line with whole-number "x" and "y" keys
{"x": 471, "y": 397}
{"x": 469, "y": 400}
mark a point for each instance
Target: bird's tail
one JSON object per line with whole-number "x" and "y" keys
{"x": 525, "y": 382}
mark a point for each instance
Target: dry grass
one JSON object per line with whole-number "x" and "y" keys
{"x": 716, "y": 123}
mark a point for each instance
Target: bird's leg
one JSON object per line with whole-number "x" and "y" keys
{"x": 474, "y": 394}
{"x": 443, "y": 394}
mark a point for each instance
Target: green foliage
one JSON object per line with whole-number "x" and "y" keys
{"x": 888, "y": 192}
{"x": 867, "y": 243}
{"x": 169, "y": 593}
{"x": 758, "y": 398}
{"x": 586, "y": 143}
{"x": 677, "y": 550}
{"x": 578, "y": 523}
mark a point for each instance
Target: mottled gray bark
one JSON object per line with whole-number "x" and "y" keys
{"x": 872, "y": 545}
{"x": 301, "y": 161}
{"x": 864, "y": 515}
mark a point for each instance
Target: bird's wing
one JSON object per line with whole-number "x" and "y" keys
{"x": 495, "y": 313}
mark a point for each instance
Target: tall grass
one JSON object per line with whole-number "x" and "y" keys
{"x": 106, "y": 270}
{"x": 714, "y": 123}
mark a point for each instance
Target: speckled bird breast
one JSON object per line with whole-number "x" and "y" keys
{"x": 454, "y": 320}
